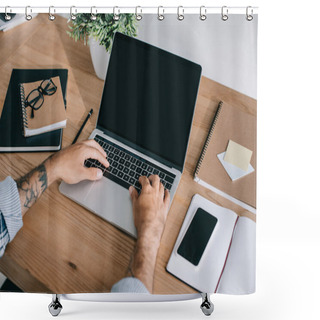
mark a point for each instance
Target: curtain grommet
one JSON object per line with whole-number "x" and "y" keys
{"x": 224, "y": 13}
{"x": 7, "y": 16}
{"x": 51, "y": 16}
{"x": 160, "y": 15}
{"x": 28, "y": 16}
{"x": 180, "y": 13}
{"x": 249, "y": 17}
{"x": 138, "y": 15}
{"x": 93, "y": 16}
{"x": 73, "y": 16}
{"x": 203, "y": 13}
{"x": 116, "y": 16}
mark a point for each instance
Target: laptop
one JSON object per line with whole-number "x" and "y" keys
{"x": 144, "y": 125}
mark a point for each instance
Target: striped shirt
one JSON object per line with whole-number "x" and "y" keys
{"x": 10, "y": 212}
{"x": 129, "y": 284}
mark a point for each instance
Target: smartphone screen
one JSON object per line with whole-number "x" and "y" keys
{"x": 197, "y": 236}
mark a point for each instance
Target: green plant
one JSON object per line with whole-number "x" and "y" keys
{"x": 102, "y": 29}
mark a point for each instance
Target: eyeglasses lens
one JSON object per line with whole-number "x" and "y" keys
{"x": 35, "y": 99}
{"x": 48, "y": 87}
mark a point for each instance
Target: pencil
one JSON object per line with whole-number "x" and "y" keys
{"x": 84, "y": 123}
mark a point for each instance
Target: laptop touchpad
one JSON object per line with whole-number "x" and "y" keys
{"x": 112, "y": 202}
{"x": 76, "y": 191}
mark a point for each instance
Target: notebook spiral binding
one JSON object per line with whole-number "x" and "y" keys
{"x": 23, "y": 108}
{"x": 205, "y": 147}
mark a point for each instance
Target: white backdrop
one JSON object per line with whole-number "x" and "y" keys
{"x": 288, "y": 264}
{"x": 216, "y": 45}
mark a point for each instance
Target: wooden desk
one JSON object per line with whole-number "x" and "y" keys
{"x": 62, "y": 247}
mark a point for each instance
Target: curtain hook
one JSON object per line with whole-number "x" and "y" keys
{"x": 224, "y": 13}
{"x": 93, "y": 15}
{"x": 116, "y": 15}
{"x": 160, "y": 16}
{"x": 138, "y": 16}
{"x": 28, "y": 15}
{"x": 51, "y": 16}
{"x": 180, "y": 13}
{"x": 72, "y": 15}
{"x": 203, "y": 13}
{"x": 249, "y": 17}
{"x": 6, "y": 15}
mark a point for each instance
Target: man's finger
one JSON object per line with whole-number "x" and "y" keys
{"x": 93, "y": 153}
{"x": 94, "y": 144}
{"x": 91, "y": 174}
{"x": 133, "y": 193}
{"x": 144, "y": 181}
{"x": 166, "y": 199}
{"x": 161, "y": 188}
{"x": 155, "y": 181}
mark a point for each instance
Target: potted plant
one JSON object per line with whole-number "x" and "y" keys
{"x": 99, "y": 35}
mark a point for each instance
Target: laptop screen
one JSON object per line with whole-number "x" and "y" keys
{"x": 149, "y": 98}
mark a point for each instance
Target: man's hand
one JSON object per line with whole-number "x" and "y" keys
{"x": 150, "y": 208}
{"x": 68, "y": 164}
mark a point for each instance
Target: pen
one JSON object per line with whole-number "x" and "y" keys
{"x": 84, "y": 123}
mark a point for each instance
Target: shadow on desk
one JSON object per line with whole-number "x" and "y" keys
{"x": 9, "y": 286}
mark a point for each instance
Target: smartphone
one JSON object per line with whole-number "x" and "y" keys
{"x": 197, "y": 236}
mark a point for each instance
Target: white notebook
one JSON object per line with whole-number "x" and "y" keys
{"x": 227, "y": 264}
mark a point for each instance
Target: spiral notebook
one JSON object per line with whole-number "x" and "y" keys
{"x": 229, "y": 124}
{"x": 50, "y": 116}
{"x": 11, "y": 137}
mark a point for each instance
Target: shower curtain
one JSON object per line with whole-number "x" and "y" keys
{"x": 167, "y": 92}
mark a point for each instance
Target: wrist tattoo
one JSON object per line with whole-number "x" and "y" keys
{"x": 32, "y": 185}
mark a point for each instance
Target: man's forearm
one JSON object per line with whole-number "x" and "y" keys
{"x": 143, "y": 263}
{"x": 32, "y": 185}
{"x": 68, "y": 165}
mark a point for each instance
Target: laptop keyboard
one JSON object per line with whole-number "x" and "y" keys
{"x": 126, "y": 167}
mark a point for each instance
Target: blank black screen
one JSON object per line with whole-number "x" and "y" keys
{"x": 149, "y": 98}
{"x": 197, "y": 236}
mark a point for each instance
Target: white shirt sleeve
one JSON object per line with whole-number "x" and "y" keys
{"x": 129, "y": 284}
{"x": 10, "y": 212}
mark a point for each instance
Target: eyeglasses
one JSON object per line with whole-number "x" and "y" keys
{"x": 35, "y": 98}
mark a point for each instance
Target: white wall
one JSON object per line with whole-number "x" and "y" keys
{"x": 226, "y": 50}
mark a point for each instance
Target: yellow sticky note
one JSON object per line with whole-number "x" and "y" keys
{"x": 238, "y": 155}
